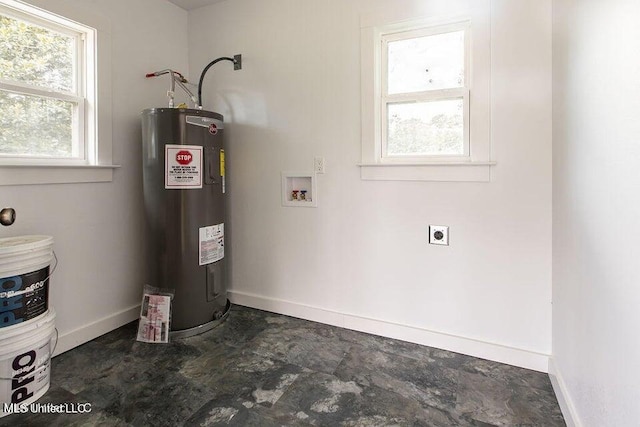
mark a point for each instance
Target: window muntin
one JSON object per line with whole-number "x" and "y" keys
{"x": 43, "y": 92}
{"x": 424, "y": 97}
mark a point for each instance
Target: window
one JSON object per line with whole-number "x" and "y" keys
{"x": 426, "y": 99}
{"x": 49, "y": 96}
{"x": 424, "y": 95}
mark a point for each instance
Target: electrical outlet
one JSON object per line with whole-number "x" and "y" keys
{"x": 318, "y": 164}
{"x": 439, "y": 235}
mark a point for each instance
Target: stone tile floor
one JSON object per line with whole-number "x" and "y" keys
{"x": 264, "y": 369}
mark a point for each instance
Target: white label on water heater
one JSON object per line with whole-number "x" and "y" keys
{"x": 183, "y": 167}
{"x": 211, "y": 244}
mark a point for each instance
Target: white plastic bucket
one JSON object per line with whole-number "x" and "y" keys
{"x": 25, "y": 361}
{"x": 24, "y": 278}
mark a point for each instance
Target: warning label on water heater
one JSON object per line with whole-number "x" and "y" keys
{"x": 211, "y": 244}
{"x": 183, "y": 166}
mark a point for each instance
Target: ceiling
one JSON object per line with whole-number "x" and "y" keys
{"x": 193, "y": 4}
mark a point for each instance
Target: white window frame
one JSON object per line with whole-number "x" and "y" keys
{"x": 475, "y": 165}
{"x": 79, "y": 95}
{"x": 422, "y": 96}
{"x": 92, "y": 161}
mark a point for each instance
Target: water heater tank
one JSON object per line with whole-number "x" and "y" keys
{"x": 184, "y": 198}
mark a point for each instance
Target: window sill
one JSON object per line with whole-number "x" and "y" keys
{"x": 445, "y": 172}
{"x": 55, "y": 174}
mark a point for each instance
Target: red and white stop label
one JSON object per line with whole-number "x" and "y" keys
{"x": 184, "y": 157}
{"x": 183, "y": 166}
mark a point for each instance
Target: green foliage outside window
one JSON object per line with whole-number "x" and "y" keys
{"x": 35, "y": 125}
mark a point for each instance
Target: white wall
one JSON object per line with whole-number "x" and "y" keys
{"x": 99, "y": 228}
{"x": 596, "y": 206}
{"x": 361, "y": 259}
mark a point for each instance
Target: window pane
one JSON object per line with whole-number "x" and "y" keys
{"x": 426, "y": 128}
{"x": 426, "y": 63}
{"x": 35, "y": 55}
{"x": 35, "y": 127}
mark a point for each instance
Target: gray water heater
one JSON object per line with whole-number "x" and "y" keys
{"x": 184, "y": 198}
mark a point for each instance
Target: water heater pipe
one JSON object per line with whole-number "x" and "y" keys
{"x": 237, "y": 65}
{"x": 178, "y": 78}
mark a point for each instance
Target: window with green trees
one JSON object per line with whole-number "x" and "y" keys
{"x": 42, "y": 88}
{"x": 425, "y": 93}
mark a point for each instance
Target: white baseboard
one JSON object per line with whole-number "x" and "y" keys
{"x": 469, "y": 346}
{"x": 81, "y": 335}
{"x": 564, "y": 400}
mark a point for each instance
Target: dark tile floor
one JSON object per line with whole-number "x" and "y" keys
{"x": 263, "y": 369}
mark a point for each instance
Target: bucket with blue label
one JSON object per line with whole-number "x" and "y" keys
{"x": 25, "y": 267}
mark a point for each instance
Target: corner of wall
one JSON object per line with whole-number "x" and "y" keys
{"x": 564, "y": 400}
